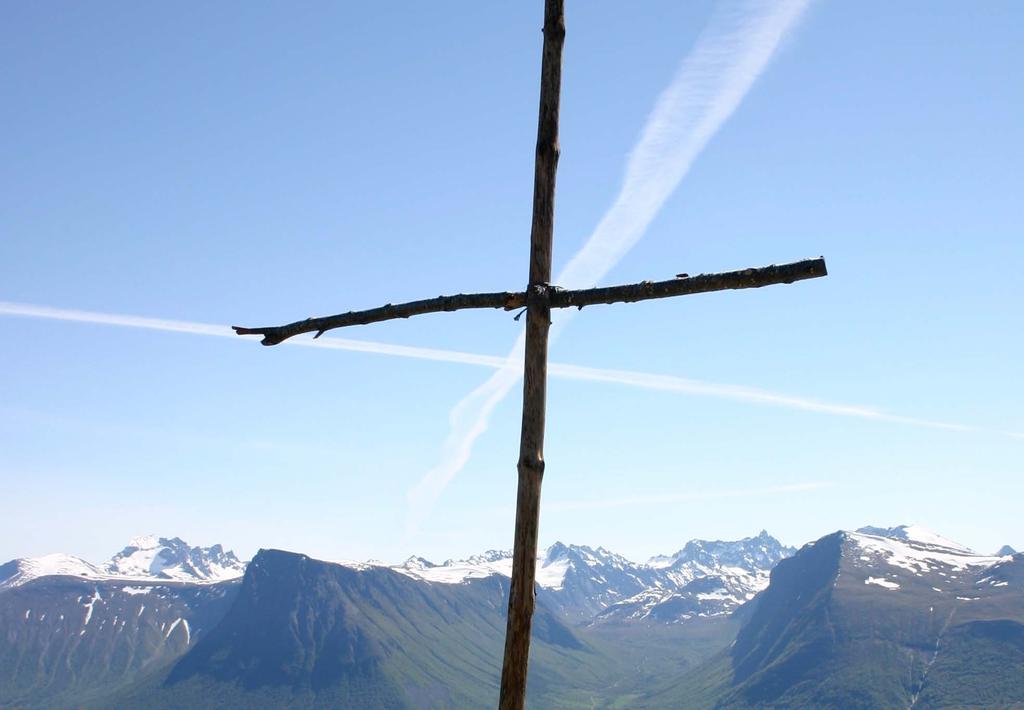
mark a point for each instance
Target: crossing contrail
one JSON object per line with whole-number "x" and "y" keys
{"x": 629, "y": 378}
{"x": 32, "y": 310}
{"x": 712, "y": 80}
{"x": 648, "y": 500}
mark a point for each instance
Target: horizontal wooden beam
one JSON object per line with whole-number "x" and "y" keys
{"x": 273, "y": 335}
{"x": 682, "y": 285}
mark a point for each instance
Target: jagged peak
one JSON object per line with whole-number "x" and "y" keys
{"x": 173, "y": 558}
{"x": 489, "y": 556}
{"x": 556, "y": 550}
{"x": 417, "y": 562}
{"x": 590, "y": 556}
{"x": 762, "y": 550}
{"x": 143, "y": 542}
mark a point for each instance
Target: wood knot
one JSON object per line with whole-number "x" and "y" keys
{"x": 531, "y": 463}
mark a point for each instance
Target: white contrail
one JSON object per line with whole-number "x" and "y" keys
{"x": 630, "y": 378}
{"x": 740, "y": 393}
{"x": 713, "y": 79}
{"x": 671, "y": 498}
{"x": 365, "y": 346}
{"x": 32, "y": 310}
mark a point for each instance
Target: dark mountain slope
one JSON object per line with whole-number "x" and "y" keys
{"x": 882, "y": 617}
{"x": 978, "y": 664}
{"x": 300, "y": 632}
{"x": 314, "y": 634}
{"x": 66, "y": 640}
{"x": 858, "y": 620}
{"x": 792, "y": 631}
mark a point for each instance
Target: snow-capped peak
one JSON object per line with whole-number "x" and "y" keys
{"x": 459, "y": 571}
{"x": 172, "y": 558}
{"x": 416, "y": 562}
{"x": 486, "y": 558}
{"x": 660, "y": 561}
{"x": 553, "y": 565}
{"x": 18, "y": 572}
{"x": 761, "y": 552}
{"x": 916, "y": 534}
{"x": 144, "y": 542}
{"x": 705, "y": 578}
{"x": 148, "y": 558}
{"x": 914, "y": 549}
{"x": 582, "y": 554}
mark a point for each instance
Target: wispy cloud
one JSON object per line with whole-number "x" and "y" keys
{"x": 728, "y": 57}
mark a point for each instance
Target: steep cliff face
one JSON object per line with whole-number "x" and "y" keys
{"x": 882, "y": 617}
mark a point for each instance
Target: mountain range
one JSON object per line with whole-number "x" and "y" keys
{"x": 879, "y": 617}
{"x": 145, "y": 559}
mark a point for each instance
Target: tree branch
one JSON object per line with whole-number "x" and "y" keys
{"x": 559, "y": 298}
{"x": 686, "y": 285}
{"x": 276, "y": 334}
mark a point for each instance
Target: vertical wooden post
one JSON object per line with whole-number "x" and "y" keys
{"x": 538, "y": 321}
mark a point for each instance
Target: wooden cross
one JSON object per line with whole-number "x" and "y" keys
{"x": 538, "y": 299}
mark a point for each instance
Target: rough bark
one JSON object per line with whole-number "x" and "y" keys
{"x": 535, "y": 369}
{"x": 273, "y": 335}
{"x": 557, "y": 297}
{"x": 684, "y": 285}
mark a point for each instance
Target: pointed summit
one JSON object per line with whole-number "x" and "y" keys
{"x": 556, "y": 551}
{"x": 416, "y": 562}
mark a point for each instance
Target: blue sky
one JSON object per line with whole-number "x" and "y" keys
{"x": 255, "y": 164}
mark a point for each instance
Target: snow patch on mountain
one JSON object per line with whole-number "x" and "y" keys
{"x": 551, "y": 570}
{"x": 882, "y": 582}
{"x": 916, "y": 550}
{"x": 25, "y": 570}
{"x": 914, "y": 534}
{"x": 458, "y": 571}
